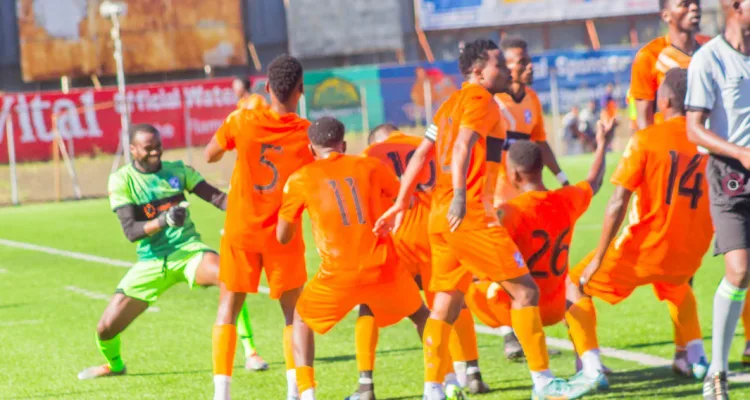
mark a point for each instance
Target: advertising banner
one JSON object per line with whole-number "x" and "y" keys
{"x": 460, "y": 14}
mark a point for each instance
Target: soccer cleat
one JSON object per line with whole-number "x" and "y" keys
{"x": 559, "y": 389}
{"x": 476, "y": 385}
{"x": 513, "y": 349}
{"x": 680, "y": 366}
{"x": 362, "y": 395}
{"x": 599, "y": 382}
{"x": 454, "y": 392}
{"x": 100, "y": 371}
{"x": 255, "y": 363}
{"x": 579, "y": 367}
{"x": 715, "y": 387}
{"x": 434, "y": 392}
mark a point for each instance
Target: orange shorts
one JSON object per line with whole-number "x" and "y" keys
{"x": 327, "y": 299}
{"x": 488, "y": 254}
{"x": 240, "y": 269}
{"x": 619, "y": 276}
{"x": 495, "y": 312}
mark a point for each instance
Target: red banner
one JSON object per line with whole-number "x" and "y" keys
{"x": 90, "y": 119}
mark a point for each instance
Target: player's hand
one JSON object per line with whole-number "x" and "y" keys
{"x": 744, "y": 158}
{"x": 588, "y": 272}
{"x": 457, "y": 209}
{"x": 175, "y": 216}
{"x": 605, "y": 130}
{"x": 391, "y": 219}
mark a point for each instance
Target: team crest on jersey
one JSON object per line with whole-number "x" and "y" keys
{"x": 174, "y": 182}
{"x": 518, "y": 257}
{"x": 527, "y": 116}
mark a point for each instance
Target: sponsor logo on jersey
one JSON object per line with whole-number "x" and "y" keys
{"x": 527, "y": 116}
{"x": 518, "y": 257}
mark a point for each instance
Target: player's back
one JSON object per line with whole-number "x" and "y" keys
{"x": 252, "y": 101}
{"x": 670, "y": 223}
{"x": 541, "y": 224}
{"x": 344, "y": 197}
{"x": 270, "y": 147}
{"x": 473, "y": 108}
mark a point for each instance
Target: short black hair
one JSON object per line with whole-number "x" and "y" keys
{"x": 386, "y": 126}
{"x": 473, "y": 53}
{"x": 284, "y": 74}
{"x": 526, "y": 155}
{"x": 245, "y": 82}
{"x": 675, "y": 81}
{"x": 148, "y": 128}
{"x": 326, "y": 132}
{"x": 514, "y": 42}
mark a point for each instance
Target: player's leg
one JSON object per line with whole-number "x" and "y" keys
{"x": 119, "y": 314}
{"x": 207, "y": 274}
{"x": 465, "y": 353}
{"x": 365, "y": 342}
{"x": 304, "y": 354}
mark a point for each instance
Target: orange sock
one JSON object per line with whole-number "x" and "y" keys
{"x": 288, "y": 349}
{"x": 224, "y": 344}
{"x": 581, "y": 318}
{"x": 305, "y": 378}
{"x": 436, "y": 337}
{"x": 365, "y": 342}
{"x": 746, "y": 321}
{"x": 685, "y": 320}
{"x": 463, "y": 341}
{"x": 527, "y": 324}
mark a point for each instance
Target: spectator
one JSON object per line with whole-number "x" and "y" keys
{"x": 587, "y": 125}
{"x": 572, "y": 137}
{"x": 607, "y": 104}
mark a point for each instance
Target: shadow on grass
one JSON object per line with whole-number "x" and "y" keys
{"x": 667, "y": 342}
{"x": 351, "y": 357}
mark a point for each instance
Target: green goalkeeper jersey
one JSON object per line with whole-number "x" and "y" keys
{"x": 152, "y": 194}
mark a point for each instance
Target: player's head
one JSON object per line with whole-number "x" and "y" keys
{"x": 285, "y": 82}
{"x": 685, "y": 15}
{"x": 145, "y": 146}
{"x": 671, "y": 95}
{"x": 525, "y": 163}
{"x": 737, "y": 11}
{"x": 326, "y": 135}
{"x": 241, "y": 86}
{"x": 482, "y": 62}
{"x": 381, "y": 132}
{"x": 516, "y": 53}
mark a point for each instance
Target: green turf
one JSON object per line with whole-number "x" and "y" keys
{"x": 47, "y": 332}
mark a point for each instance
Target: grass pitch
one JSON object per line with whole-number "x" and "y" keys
{"x": 50, "y": 305}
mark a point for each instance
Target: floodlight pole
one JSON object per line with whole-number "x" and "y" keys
{"x": 125, "y": 112}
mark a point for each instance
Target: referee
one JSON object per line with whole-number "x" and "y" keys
{"x": 718, "y": 118}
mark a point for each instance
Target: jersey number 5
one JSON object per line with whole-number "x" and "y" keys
{"x": 683, "y": 189}
{"x": 557, "y": 251}
{"x": 340, "y": 201}
{"x": 264, "y": 148}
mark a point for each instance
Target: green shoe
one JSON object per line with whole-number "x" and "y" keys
{"x": 559, "y": 389}
{"x": 454, "y": 392}
{"x": 600, "y": 382}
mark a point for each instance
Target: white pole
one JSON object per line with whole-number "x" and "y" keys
{"x": 303, "y": 106}
{"x": 125, "y": 115}
{"x": 427, "y": 101}
{"x": 68, "y": 165}
{"x": 555, "y": 105}
{"x": 12, "y": 161}
{"x": 188, "y": 133}
{"x": 365, "y": 113}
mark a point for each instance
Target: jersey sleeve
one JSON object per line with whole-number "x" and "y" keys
{"x": 578, "y": 198}
{"x": 643, "y": 83}
{"x": 119, "y": 191}
{"x": 226, "y": 134}
{"x": 700, "y": 85}
{"x": 481, "y": 114}
{"x": 538, "y": 134}
{"x": 293, "y": 202}
{"x": 192, "y": 178}
{"x": 630, "y": 170}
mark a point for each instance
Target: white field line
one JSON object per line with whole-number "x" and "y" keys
{"x": 3, "y": 271}
{"x": 22, "y": 322}
{"x": 640, "y": 358}
{"x": 99, "y": 296}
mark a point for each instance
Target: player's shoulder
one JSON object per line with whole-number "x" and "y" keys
{"x": 475, "y": 93}
{"x": 652, "y": 48}
{"x": 582, "y": 188}
{"x": 532, "y": 94}
{"x": 708, "y": 52}
{"x": 121, "y": 174}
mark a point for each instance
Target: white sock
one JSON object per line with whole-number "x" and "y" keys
{"x": 472, "y": 370}
{"x": 221, "y": 387}
{"x": 592, "y": 363}
{"x": 451, "y": 379}
{"x": 504, "y": 330}
{"x": 308, "y": 394}
{"x": 291, "y": 383}
{"x": 541, "y": 378}
{"x": 460, "y": 368}
{"x": 695, "y": 351}
{"x": 433, "y": 390}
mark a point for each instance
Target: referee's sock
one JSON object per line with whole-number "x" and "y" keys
{"x": 729, "y": 301}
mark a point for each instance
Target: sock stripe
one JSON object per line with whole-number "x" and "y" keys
{"x": 729, "y": 291}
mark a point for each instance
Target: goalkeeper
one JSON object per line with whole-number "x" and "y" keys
{"x": 149, "y": 199}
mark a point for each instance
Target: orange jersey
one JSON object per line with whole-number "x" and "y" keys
{"x": 670, "y": 225}
{"x": 396, "y": 151}
{"x": 473, "y": 108}
{"x": 344, "y": 197}
{"x": 252, "y": 101}
{"x": 541, "y": 224}
{"x": 269, "y": 148}
{"x": 652, "y": 62}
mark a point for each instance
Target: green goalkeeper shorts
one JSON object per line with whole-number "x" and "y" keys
{"x": 147, "y": 280}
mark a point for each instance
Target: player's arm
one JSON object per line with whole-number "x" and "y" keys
{"x": 213, "y": 152}
{"x": 211, "y": 194}
{"x": 137, "y": 230}
{"x": 292, "y": 205}
{"x": 643, "y": 87}
{"x": 614, "y": 215}
{"x": 550, "y": 161}
{"x": 604, "y": 133}
{"x": 222, "y": 140}
{"x": 465, "y": 141}
{"x": 645, "y": 113}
